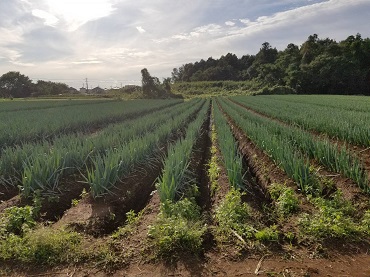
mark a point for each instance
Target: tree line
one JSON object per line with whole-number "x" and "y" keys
{"x": 14, "y": 84}
{"x": 318, "y": 66}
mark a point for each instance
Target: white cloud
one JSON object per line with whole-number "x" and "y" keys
{"x": 229, "y": 23}
{"x": 87, "y": 62}
{"x": 245, "y": 21}
{"x": 75, "y": 13}
{"x": 11, "y": 35}
{"x": 13, "y": 57}
{"x": 48, "y": 18}
{"x": 140, "y": 29}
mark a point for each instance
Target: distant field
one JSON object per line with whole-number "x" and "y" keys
{"x": 113, "y": 185}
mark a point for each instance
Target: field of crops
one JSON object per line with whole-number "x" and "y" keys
{"x": 239, "y": 186}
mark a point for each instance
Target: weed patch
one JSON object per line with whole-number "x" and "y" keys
{"x": 285, "y": 200}
{"x": 179, "y": 228}
{"x": 232, "y": 218}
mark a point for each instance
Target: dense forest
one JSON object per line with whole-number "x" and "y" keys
{"x": 318, "y": 66}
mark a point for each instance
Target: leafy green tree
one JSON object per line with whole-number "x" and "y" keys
{"x": 49, "y": 88}
{"x": 167, "y": 85}
{"x": 151, "y": 85}
{"x": 267, "y": 54}
{"x": 14, "y": 84}
{"x": 319, "y": 66}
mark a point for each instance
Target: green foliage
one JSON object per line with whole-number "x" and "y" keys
{"x": 343, "y": 117}
{"x": 41, "y": 246}
{"x": 295, "y": 138}
{"x": 152, "y": 87}
{"x": 285, "y": 200}
{"x": 210, "y": 88}
{"x": 185, "y": 208}
{"x": 17, "y": 220}
{"x": 262, "y": 132}
{"x": 277, "y": 90}
{"x": 319, "y": 66}
{"x": 213, "y": 168}
{"x": 232, "y": 159}
{"x": 28, "y": 123}
{"x": 40, "y": 166}
{"x": 333, "y": 220}
{"x": 178, "y": 228}
{"x": 233, "y": 216}
{"x": 131, "y": 220}
{"x": 267, "y": 234}
{"x": 176, "y": 179}
{"x": 365, "y": 223}
{"x": 14, "y": 84}
{"x": 51, "y": 88}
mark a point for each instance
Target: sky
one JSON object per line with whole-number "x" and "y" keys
{"x": 110, "y": 41}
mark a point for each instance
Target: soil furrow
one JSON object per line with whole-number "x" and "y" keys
{"x": 198, "y": 163}
{"x": 361, "y": 152}
{"x": 262, "y": 168}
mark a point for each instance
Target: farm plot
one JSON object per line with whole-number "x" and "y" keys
{"x": 27, "y": 105}
{"x": 282, "y": 147}
{"x": 17, "y": 127}
{"x": 204, "y": 187}
{"x": 348, "y": 119}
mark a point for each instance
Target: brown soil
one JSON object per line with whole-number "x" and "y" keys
{"x": 14, "y": 201}
{"x": 198, "y": 164}
{"x": 7, "y": 192}
{"x": 53, "y": 207}
{"x": 104, "y": 214}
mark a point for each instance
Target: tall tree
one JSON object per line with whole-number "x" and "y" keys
{"x": 14, "y": 84}
{"x": 151, "y": 85}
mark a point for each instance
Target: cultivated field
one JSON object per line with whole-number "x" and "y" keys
{"x": 238, "y": 186}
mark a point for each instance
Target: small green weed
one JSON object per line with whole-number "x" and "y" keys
{"x": 232, "y": 216}
{"x": 333, "y": 220}
{"x": 285, "y": 200}
{"x": 41, "y": 246}
{"x": 17, "y": 220}
{"x": 267, "y": 234}
{"x": 131, "y": 220}
{"x": 365, "y": 223}
{"x": 213, "y": 172}
{"x": 178, "y": 228}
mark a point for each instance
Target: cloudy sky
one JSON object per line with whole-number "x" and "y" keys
{"x": 110, "y": 41}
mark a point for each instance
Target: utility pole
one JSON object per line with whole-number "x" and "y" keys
{"x": 87, "y": 85}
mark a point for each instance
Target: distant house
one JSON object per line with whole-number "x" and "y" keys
{"x": 72, "y": 90}
{"x": 97, "y": 90}
{"x": 83, "y": 90}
